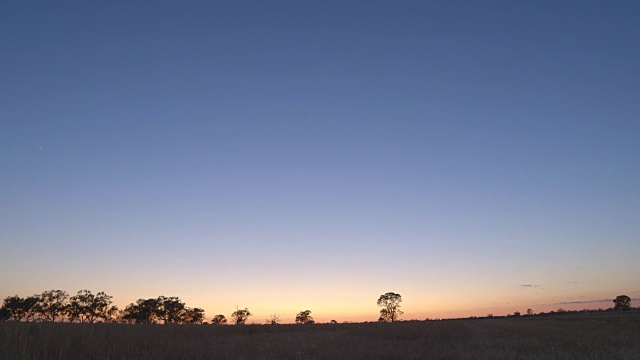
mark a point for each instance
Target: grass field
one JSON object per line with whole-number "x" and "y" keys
{"x": 596, "y": 336}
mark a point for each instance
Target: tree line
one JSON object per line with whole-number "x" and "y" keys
{"x": 87, "y": 307}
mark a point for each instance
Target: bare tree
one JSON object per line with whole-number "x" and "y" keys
{"x": 273, "y": 319}
{"x": 390, "y": 303}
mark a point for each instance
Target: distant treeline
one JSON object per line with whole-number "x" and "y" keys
{"x": 86, "y": 307}
{"x": 559, "y": 312}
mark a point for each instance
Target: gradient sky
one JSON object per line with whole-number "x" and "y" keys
{"x": 474, "y": 156}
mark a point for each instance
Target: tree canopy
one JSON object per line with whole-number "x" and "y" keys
{"x": 87, "y": 307}
{"x": 240, "y": 316}
{"x": 304, "y": 317}
{"x": 390, "y": 304}
{"x": 20, "y": 309}
{"x": 219, "y": 320}
{"x": 622, "y": 302}
{"x": 163, "y": 309}
{"x": 50, "y": 305}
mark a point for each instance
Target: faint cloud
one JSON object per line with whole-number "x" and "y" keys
{"x": 530, "y": 285}
{"x": 582, "y": 302}
{"x": 590, "y": 301}
{"x": 572, "y": 282}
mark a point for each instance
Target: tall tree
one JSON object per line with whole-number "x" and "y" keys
{"x": 239, "y": 317}
{"x": 390, "y": 304}
{"x": 304, "y": 317}
{"x": 87, "y": 307}
{"x": 193, "y": 316}
{"x": 170, "y": 309}
{"x": 51, "y": 304}
{"x": 143, "y": 311}
{"x": 163, "y": 309}
{"x": 622, "y": 302}
{"x": 20, "y": 309}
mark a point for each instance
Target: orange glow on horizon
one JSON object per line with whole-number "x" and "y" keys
{"x": 367, "y": 311}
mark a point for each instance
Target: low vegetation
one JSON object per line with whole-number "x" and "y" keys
{"x": 53, "y": 325}
{"x": 606, "y": 335}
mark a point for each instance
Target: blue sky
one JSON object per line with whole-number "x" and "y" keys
{"x": 242, "y": 152}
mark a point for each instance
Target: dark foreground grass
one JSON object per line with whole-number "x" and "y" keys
{"x": 611, "y": 336}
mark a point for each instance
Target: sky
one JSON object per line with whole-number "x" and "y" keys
{"x": 474, "y": 157}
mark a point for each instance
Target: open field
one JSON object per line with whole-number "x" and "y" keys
{"x": 596, "y": 336}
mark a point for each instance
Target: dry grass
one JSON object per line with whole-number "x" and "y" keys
{"x": 609, "y": 336}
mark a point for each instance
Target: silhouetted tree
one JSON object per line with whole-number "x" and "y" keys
{"x": 50, "y": 305}
{"x": 304, "y": 317}
{"x": 170, "y": 310}
{"x": 143, "y": 311}
{"x": 4, "y": 314}
{"x": 622, "y": 302}
{"x": 333, "y": 322}
{"x": 219, "y": 320}
{"x": 193, "y": 316}
{"x": 20, "y": 309}
{"x": 516, "y": 313}
{"x": 273, "y": 319}
{"x": 118, "y": 317}
{"x": 529, "y": 312}
{"x": 240, "y": 316}
{"x": 390, "y": 303}
{"x": 85, "y": 307}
